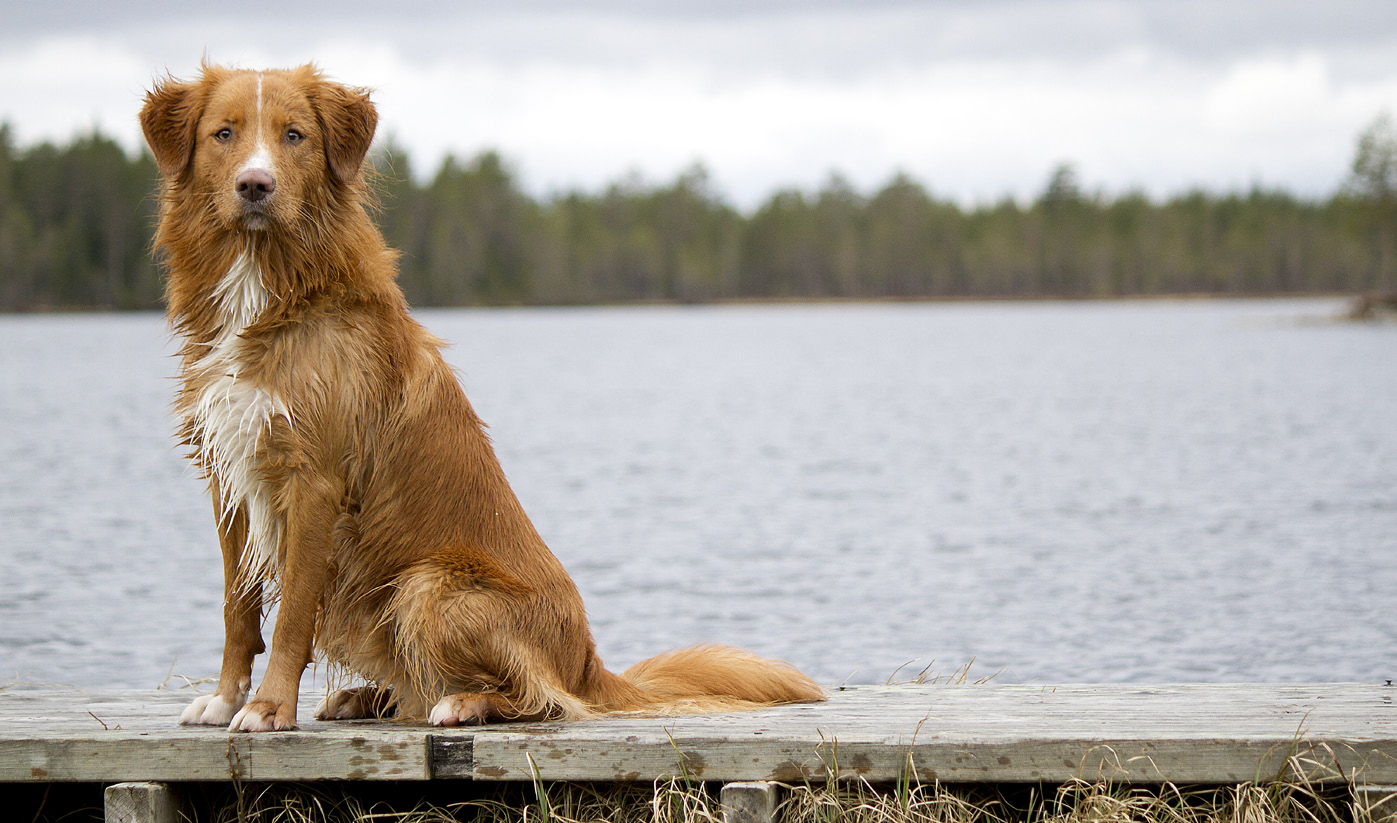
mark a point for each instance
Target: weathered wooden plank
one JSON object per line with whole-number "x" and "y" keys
{"x": 120, "y": 757}
{"x": 985, "y": 733}
{"x": 1053, "y": 761}
{"x": 1197, "y": 733}
{"x": 59, "y": 736}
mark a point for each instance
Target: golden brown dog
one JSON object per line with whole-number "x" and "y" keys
{"x": 349, "y": 474}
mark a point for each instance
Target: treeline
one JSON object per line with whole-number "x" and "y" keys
{"x": 75, "y": 224}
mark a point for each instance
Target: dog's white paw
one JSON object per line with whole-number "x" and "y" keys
{"x": 459, "y": 710}
{"x": 262, "y": 716}
{"x": 211, "y": 710}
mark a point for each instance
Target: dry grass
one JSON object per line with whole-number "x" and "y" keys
{"x": 1308, "y": 789}
{"x": 682, "y": 801}
{"x": 928, "y": 676}
{"x": 1077, "y": 802}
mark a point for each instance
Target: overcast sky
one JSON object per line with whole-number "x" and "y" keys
{"x": 977, "y": 100}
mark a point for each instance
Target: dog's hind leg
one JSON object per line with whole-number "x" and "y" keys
{"x": 477, "y": 709}
{"x": 242, "y": 631}
{"x": 478, "y": 645}
{"x": 357, "y": 703}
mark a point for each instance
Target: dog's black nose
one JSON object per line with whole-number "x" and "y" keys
{"x": 255, "y": 184}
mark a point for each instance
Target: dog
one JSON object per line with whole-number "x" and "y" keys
{"x": 350, "y": 476}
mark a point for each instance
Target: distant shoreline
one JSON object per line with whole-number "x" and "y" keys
{"x": 473, "y": 237}
{"x": 797, "y": 301}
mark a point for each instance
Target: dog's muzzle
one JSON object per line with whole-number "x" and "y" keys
{"x": 255, "y": 185}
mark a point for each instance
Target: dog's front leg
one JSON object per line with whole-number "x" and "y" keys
{"x": 309, "y": 524}
{"x": 242, "y": 632}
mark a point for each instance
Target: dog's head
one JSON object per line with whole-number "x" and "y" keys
{"x": 265, "y": 148}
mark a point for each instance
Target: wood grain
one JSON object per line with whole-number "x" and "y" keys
{"x": 987, "y": 733}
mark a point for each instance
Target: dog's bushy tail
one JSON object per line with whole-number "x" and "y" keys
{"x": 712, "y": 678}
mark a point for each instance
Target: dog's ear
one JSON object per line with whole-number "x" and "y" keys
{"x": 348, "y": 120}
{"x": 169, "y": 120}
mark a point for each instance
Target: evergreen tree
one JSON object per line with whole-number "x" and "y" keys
{"x": 1373, "y": 181}
{"x": 76, "y": 221}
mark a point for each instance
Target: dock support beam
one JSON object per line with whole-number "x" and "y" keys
{"x": 749, "y": 802}
{"x": 140, "y": 803}
{"x": 1378, "y": 802}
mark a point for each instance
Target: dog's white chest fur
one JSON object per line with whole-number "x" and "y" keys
{"x": 230, "y": 416}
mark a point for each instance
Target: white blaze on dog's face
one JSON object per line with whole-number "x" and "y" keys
{"x": 258, "y": 145}
{"x": 258, "y": 150}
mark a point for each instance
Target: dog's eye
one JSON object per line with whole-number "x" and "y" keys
{"x": 294, "y": 136}
{"x": 223, "y": 135}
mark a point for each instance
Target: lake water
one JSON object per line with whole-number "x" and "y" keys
{"x": 1152, "y": 491}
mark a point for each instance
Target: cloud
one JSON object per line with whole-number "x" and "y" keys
{"x": 58, "y": 86}
{"x": 976, "y": 101}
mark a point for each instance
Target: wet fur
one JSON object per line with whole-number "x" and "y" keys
{"x": 349, "y": 474}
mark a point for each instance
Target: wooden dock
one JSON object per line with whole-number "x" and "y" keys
{"x": 980, "y": 734}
